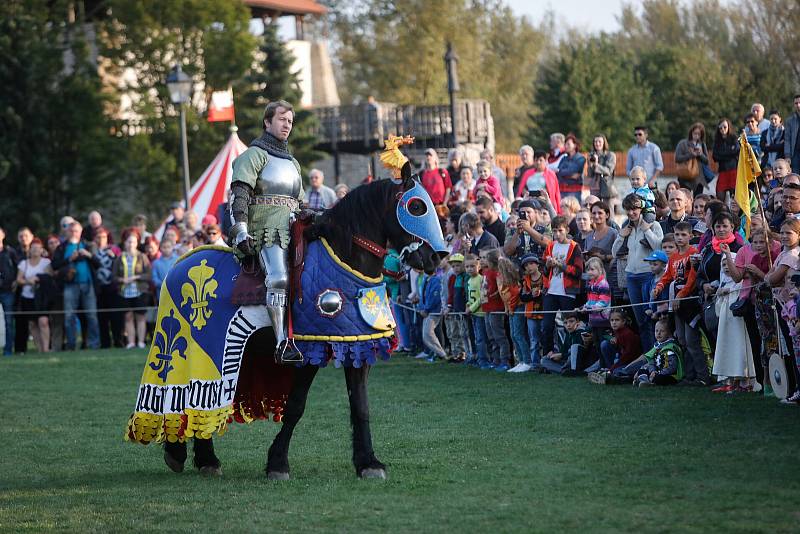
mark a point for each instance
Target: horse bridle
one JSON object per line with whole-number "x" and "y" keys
{"x": 381, "y": 252}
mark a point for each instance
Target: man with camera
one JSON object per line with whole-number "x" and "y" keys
{"x": 529, "y": 236}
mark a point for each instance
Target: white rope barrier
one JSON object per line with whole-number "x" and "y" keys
{"x": 577, "y": 310}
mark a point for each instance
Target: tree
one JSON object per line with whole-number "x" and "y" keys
{"x": 706, "y": 60}
{"x": 393, "y": 50}
{"x": 588, "y": 89}
{"x": 270, "y": 79}
{"x": 53, "y": 136}
{"x": 212, "y": 42}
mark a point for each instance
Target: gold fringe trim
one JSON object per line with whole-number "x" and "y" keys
{"x": 146, "y": 427}
{"x": 349, "y": 339}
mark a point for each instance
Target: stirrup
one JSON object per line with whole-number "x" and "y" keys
{"x": 287, "y": 352}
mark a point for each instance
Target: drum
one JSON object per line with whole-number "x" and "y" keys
{"x": 778, "y": 376}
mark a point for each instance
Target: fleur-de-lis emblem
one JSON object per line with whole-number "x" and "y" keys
{"x": 373, "y": 306}
{"x": 198, "y": 292}
{"x": 169, "y": 342}
{"x": 371, "y": 301}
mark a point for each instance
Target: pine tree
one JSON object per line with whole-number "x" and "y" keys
{"x": 272, "y": 79}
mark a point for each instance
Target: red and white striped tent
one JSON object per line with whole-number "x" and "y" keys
{"x": 211, "y": 189}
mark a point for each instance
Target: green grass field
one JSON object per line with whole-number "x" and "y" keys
{"x": 467, "y": 450}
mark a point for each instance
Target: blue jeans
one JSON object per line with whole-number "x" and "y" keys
{"x": 519, "y": 335}
{"x": 608, "y": 354}
{"x": 479, "y": 323}
{"x": 7, "y": 300}
{"x": 402, "y": 326}
{"x": 637, "y": 293}
{"x": 535, "y": 337}
{"x": 553, "y": 303}
{"x": 81, "y": 296}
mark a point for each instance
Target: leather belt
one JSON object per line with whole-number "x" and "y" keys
{"x": 275, "y": 200}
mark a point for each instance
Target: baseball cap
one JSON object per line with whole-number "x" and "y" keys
{"x": 176, "y": 205}
{"x": 700, "y": 227}
{"x": 430, "y": 151}
{"x": 456, "y": 257}
{"x": 657, "y": 255}
{"x": 528, "y": 258}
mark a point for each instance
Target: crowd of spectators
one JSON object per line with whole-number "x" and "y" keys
{"x": 81, "y": 288}
{"x": 543, "y": 275}
{"x": 676, "y": 289}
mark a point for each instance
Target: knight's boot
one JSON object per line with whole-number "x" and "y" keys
{"x": 285, "y": 351}
{"x": 273, "y": 261}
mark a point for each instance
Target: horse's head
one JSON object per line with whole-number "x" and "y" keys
{"x": 415, "y": 230}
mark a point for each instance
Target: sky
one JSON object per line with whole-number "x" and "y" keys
{"x": 594, "y": 15}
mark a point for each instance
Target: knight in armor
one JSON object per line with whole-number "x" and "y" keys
{"x": 266, "y": 191}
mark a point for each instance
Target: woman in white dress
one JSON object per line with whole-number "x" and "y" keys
{"x": 733, "y": 356}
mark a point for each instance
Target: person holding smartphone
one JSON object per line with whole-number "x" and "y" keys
{"x": 529, "y": 236}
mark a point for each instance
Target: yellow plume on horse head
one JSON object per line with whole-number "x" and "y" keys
{"x": 391, "y": 157}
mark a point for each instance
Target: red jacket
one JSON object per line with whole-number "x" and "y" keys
{"x": 628, "y": 346}
{"x": 572, "y": 271}
{"x": 493, "y": 302}
{"x": 679, "y": 268}
{"x": 550, "y": 183}
{"x": 436, "y": 182}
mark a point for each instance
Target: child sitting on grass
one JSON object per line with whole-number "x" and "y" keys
{"x": 664, "y": 362}
{"x": 619, "y": 351}
{"x": 571, "y": 358}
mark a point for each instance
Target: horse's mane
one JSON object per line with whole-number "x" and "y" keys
{"x": 356, "y": 214}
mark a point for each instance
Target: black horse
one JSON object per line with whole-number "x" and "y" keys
{"x": 369, "y": 213}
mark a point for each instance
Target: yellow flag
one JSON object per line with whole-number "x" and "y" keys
{"x": 746, "y": 173}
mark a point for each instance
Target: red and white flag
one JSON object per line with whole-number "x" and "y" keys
{"x": 221, "y": 106}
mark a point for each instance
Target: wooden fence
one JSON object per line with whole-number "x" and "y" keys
{"x": 361, "y": 128}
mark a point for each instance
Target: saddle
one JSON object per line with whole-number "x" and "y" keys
{"x": 249, "y": 288}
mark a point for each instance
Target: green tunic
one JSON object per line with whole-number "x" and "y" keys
{"x": 268, "y": 225}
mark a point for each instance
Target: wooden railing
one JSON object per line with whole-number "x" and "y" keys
{"x": 362, "y": 128}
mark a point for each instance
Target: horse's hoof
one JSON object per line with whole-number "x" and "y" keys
{"x": 211, "y": 471}
{"x": 172, "y": 463}
{"x": 371, "y": 472}
{"x": 277, "y": 475}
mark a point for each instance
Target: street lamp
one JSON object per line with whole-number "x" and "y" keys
{"x": 179, "y": 85}
{"x": 451, "y": 64}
